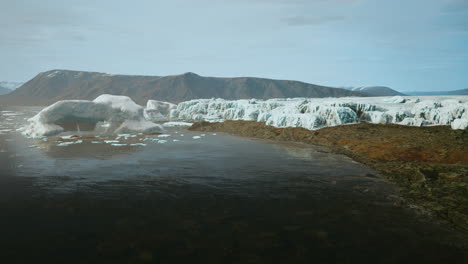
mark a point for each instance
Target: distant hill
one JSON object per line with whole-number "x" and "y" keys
{"x": 51, "y": 86}
{"x": 374, "y": 90}
{"x": 455, "y": 92}
{"x": 11, "y": 85}
{"x": 7, "y": 87}
{"x": 4, "y": 90}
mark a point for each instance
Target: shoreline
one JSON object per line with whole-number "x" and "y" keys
{"x": 428, "y": 164}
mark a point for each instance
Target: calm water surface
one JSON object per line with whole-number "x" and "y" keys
{"x": 217, "y": 199}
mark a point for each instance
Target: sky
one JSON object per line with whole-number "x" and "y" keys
{"x": 409, "y": 45}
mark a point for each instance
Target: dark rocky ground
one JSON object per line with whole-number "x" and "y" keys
{"x": 429, "y": 164}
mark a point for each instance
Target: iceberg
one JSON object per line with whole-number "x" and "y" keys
{"x": 157, "y": 110}
{"x": 119, "y": 114}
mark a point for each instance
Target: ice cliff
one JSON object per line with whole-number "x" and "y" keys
{"x": 314, "y": 113}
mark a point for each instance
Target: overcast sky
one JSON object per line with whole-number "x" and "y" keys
{"x": 405, "y": 44}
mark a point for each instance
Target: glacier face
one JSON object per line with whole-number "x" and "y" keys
{"x": 315, "y": 113}
{"x": 119, "y": 114}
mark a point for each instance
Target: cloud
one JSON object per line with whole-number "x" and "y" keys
{"x": 29, "y": 23}
{"x": 456, "y": 6}
{"x": 455, "y": 16}
{"x": 311, "y": 21}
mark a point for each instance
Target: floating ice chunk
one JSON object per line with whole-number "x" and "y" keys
{"x": 164, "y": 136}
{"x": 138, "y": 145}
{"x": 96, "y": 142}
{"x": 13, "y": 114}
{"x": 175, "y": 140}
{"x": 202, "y": 135}
{"x": 118, "y": 145}
{"x": 196, "y": 137}
{"x": 68, "y": 137}
{"x": 162, "y": 141}
{"x": 111, "y": 141}
{"x": 176, "y": 124}
{"x": 64, "y": 144}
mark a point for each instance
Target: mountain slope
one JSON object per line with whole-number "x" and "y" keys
{"x": 374, "y": 90}
{"x": 55, "y": 85}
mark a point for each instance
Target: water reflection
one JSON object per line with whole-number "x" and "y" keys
{"x": 216, "y": 199}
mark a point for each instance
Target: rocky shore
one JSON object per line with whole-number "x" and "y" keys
{"x": 429, "y": 164}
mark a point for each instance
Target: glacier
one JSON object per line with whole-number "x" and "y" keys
{"x": 316, "y": 113}
{"x": 119, "y": 114}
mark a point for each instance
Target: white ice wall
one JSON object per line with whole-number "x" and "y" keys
{"x": 314, "y": 113}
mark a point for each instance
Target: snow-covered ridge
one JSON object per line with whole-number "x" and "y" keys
{"x": 315, "y": 113}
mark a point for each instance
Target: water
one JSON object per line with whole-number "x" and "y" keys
{"x": 217, "y": 199}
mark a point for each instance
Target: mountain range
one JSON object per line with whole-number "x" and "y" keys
{"x": 426, "y": 93}
{"x": 374, "y": 90}
{"x": 51, "y": 86}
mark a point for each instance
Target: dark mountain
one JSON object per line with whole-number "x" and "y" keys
{"x": 55, "y": 85}
{"x": 375, "y": 90}
{"x": 456, "y": 92}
